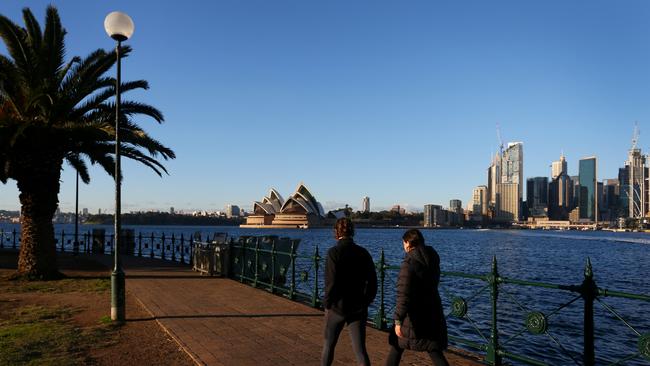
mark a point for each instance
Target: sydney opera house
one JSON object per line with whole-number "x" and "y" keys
{"x": 300, "y": 210}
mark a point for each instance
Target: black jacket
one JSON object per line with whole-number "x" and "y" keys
{"x": 350, "y": 280}
{"x": 418, "y": 307}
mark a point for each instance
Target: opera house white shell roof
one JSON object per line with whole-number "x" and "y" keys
{"x": 300, "y": 202}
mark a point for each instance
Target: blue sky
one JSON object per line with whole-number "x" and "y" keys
{"x": 396, "y": 100}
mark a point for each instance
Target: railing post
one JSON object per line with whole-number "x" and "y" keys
{"x": 314, "y": 298}
{"x": 173, "y": 248}
{"x": 62, "y": 240}
{"x": 13, "y": 246}
{"x": 589, "y": 292}
{"x": 273, "y": 267}
{"x": 493, "y": 356}
{"x": 182, "y": 249}
{"x": 257, "y": 259}
{"x": 2, "y": 238}
{"x": 381, "y": 316}
{"x": 162, "y": 246}
{"x": 292, "y": 290}
{"x": 192, "y": 251}
{"x": 243, "y": 257}
{"x": 140, "y": 244}
{"x": 151, "y": 253}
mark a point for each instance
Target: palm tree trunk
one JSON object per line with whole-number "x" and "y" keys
{"x": 39, "y": 200}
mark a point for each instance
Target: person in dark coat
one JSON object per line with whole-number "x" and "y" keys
{"x": 350, "y": 287}
{"x": 419, "y": 319}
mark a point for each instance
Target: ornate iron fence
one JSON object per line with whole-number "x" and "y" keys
{"x": 274, "y": 264}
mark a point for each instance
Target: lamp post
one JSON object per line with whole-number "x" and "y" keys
{"x": 75, "y": 246}
{"x": 119, "y": 26}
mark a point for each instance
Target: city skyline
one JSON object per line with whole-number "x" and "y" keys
{"x": 391, "y": 101}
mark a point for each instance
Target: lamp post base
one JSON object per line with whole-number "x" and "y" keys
{"x": 118, "y": 298}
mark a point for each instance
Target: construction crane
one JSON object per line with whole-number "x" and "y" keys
{"x": 500, "y": 140}
{"x": 635, "y": 135}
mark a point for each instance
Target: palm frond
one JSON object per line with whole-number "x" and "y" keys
{"x": 79, "y": 165}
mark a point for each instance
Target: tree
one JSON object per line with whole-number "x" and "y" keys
{"x": 53, "y": 111}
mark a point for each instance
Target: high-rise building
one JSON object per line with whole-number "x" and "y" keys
{"x": 456, "y": 206}
{"x": 558, "y": 167}
{"x": 171, "y": 210}
{"x": 508, "y": 202}
{"x": 494, "y": 178}
{"x": 537, "y": 196}
{"x": 232, "y": 211}
{"x": 560, "y": 196}
{"x": 636, "y": 183}
{"x": 512, "y": 173}
{"x": 610, "y": 200}
{"x": 480, "y": 201}
{"x": 588, "y": 195}
{"x": 433, "y": 215}
{"x": 365, "y": 204}
{"x": 84, "y": 212}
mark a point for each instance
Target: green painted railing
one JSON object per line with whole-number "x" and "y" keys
{"x": 275, "y": 264}
{"x": 304, "y": 284}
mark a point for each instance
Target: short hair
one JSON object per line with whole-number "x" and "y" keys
{"x": 413, "y": 237}
{"x": 343, "y": 228}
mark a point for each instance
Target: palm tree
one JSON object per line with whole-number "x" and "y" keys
{"x": 53, "y": 111}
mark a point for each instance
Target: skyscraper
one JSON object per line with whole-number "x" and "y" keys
{"x": 558, "y": 167}
{"x": 509, "y": 197}
{"x": 636, "y": 183}
{"x": 433, "y": 215}
{"x": 537, "y": 196}
{"x": 365, "y": 204}
{"x": 456, "y": 206}
{"x": 588, "y": 195}
{"x": 480, "y": 201}
{"x": 494, "y": 178}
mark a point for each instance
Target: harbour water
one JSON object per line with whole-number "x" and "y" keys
{"x": 620, "y": 261}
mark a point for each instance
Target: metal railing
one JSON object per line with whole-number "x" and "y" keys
{"x": 176, "y": 248}
{"x": 274, "y": 264}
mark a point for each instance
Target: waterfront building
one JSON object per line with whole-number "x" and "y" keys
{"x": 301, "y": 209}
{"x": 560, "y": 195}
{"x": 508, "y": 203}
{"x": 509, "y": 198}
{"x": 428, "y": 216}
{"x": 232, "y": 211}
{"x": 397, "y": 208}
{"x": 456, "y": 206}
{"x": 365, "y": 204}
{"x": 636, "y": 175}
{"x": 537, "y": 197}
{"x": 494, "y": 178}
{"x": 480, "y": 201}
{"x": 558, "y": 167}
{"x": 588, "y": 196}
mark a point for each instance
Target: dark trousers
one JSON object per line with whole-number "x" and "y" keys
{"x": 333, "y": 326}
{"x": 395, "y": 354}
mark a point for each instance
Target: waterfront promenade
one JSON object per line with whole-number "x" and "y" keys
{"x": 219, "y": 321}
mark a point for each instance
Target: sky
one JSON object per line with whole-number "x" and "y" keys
{"x": 395, "y": 100}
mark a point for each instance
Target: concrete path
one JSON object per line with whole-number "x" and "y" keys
{"x": 223, "y": 322}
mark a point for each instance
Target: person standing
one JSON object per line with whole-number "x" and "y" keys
{"x": 419, "y": 319}
{"x": 350, "y": 287}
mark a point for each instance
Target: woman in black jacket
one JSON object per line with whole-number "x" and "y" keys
{"x": 419, "y": 320}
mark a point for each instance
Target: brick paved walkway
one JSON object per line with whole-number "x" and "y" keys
{"x": 222, "y": 322}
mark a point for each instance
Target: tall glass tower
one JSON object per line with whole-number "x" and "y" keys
{"x": 588, "y": 197}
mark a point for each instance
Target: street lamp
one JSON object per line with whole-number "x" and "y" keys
{"x": 119, "y": 26}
